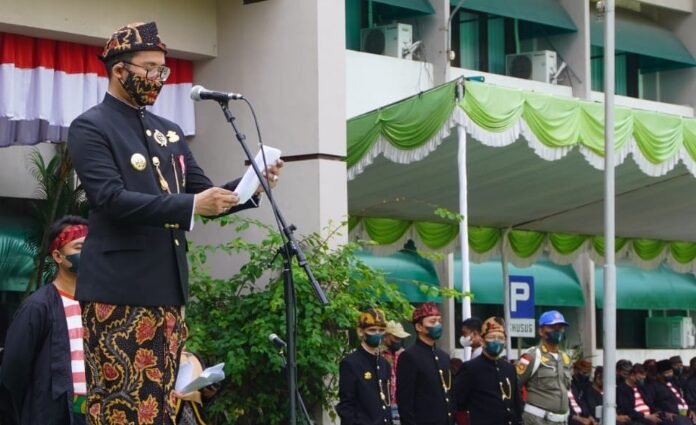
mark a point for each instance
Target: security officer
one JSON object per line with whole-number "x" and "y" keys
{"x": 364, "y": 375}
{"x": 487, "y": 386}
{"x": 546, "y": 371}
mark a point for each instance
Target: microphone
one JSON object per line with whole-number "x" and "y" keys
{"x": 199, "y": 93}
{"x": 275, "y": 339}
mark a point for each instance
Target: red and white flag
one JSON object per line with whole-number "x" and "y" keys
{"x": 45, "y": 84}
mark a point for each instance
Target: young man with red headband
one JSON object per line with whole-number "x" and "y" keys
{"x": 43, "y": 367}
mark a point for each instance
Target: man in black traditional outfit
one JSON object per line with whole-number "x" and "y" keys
{"x": 43, "y": 367}
{"x": 487, "y": 385}
{"x": 423, "y": 380}
{"x": 364, "y": 375}
{"x": 144, "y": 188}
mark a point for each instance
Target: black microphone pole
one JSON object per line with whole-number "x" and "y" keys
{"x": 290, "y": 249}
{"x": 284, "y": 362}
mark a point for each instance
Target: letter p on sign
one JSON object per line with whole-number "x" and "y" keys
{"x": 521, "y": 297}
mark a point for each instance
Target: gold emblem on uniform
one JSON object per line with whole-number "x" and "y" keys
{"x": 138, "y": 161}
{"x": 367, "y": 376}
{"x": 160, "y": 138}
{"x": 566, "y": 359}
{"x": 172, "y": 136}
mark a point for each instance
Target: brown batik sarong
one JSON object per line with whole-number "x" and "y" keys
{"x": 131, "y": 360}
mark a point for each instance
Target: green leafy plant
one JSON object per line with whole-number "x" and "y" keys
{"x": 57, "y": 195}
{"x": 231, "y": 318}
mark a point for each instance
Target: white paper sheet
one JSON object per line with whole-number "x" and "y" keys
{"x": 209, "y": 376}
{"x": 184, "y": 375}
{"x": 249, "y": 183}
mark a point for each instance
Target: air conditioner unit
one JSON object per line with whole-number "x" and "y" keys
{"x": 538, "y": 66}
{"x": 389, "y": 40}
{"x": 669, "y": 332}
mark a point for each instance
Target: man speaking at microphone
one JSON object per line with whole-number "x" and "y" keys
{"x": 144, "y": 188}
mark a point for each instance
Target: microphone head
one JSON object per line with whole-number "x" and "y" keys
{"x": 196, "y": 92}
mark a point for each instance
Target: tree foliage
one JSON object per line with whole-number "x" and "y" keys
{"x": 230, "y": 320}
{"x": 58, "y": 195}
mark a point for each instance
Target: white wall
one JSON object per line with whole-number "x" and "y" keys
{"x": 188, "y": 28}
{"x": 287, "y": 57}
{"x": 373, "y": 81}
{"x": 16, "y": 180}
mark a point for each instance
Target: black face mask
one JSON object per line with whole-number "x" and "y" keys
{"x": 583, "y": 379}
{"x": 395, "y": 346}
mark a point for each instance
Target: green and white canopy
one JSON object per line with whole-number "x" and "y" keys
{"x": 402, "y": 164}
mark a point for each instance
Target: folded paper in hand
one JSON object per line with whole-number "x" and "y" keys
{"x": 249, "y": 183}
{"x": 185, "y": 384}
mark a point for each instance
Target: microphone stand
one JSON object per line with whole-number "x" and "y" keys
{"x": 299, "y": 396}
{"x": 291, "y": 248}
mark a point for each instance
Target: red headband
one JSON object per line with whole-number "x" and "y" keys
{"x": 67, "y": 235}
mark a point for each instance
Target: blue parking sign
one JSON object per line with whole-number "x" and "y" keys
{"x": 522, "y": 297}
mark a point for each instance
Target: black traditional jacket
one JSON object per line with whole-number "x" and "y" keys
{"x": 140, "y": 178}
{"x": 423, "y": 384}
{"x": 36, "y": 369}
{"x": 363, "y": 380}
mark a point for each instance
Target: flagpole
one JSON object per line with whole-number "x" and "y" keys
{"x": 609, "y": 311}
{"x": 464, "y": 223}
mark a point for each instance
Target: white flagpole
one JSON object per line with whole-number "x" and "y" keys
{"x": 464, "y": 223}
{"x": 609, "y": 312}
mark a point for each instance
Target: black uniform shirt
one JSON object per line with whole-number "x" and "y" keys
{"x": 423, "y": 383}
{"x": 363, "y": 380}
{"x": 488, "y": 389}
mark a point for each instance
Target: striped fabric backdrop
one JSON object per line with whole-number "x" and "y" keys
{"x": 45, "y": 84}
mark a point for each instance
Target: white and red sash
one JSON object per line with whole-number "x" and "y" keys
{"x": 639, "y": 403}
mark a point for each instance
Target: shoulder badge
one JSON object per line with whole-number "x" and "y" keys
{"x": 566, "y": 359}
{"x": 367, "y": 376}
{"x": 522, "y": 363}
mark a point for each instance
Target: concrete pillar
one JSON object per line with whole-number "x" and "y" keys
{"x": 587, "y": 325}
{"x": 574, "y": 48}
{"x": 435, "y": 34}
{"x": 678, "y": 86}
{"x": 445, "y": 274}
{"x": 288, "y": 58}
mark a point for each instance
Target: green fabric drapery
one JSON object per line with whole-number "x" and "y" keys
{"x": 523, "y": 247}
{"x": 403, "y": 132}
{"x": 408, "y": 131}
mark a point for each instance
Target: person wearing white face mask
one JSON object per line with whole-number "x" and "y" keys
{"x": 471, "y": 336}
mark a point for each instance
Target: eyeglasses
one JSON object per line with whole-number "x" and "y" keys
{"x": 160, "y": 73}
